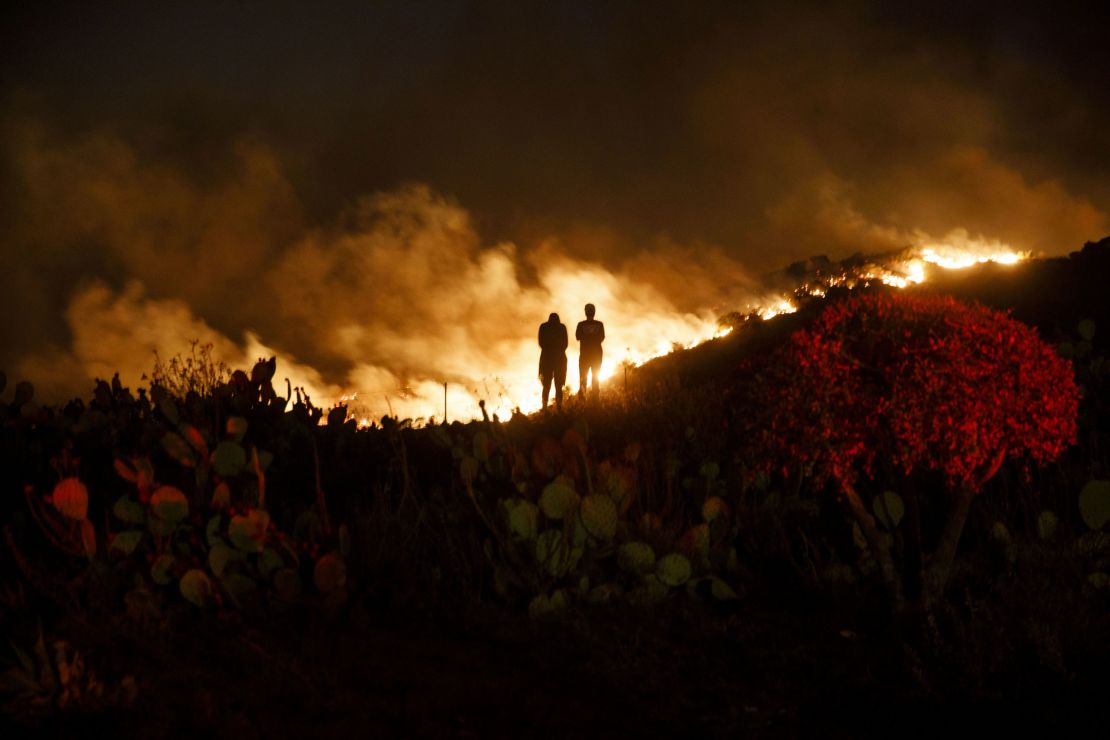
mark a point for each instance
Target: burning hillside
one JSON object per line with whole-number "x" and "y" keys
{"x": 641, "y": 326}
{"x": 641, "y": 329}
{"x": 899, "y": 269}
{"x": 397, "y": 305}
{"x": 393, "y": 295}
{"x": 401, "y": 311}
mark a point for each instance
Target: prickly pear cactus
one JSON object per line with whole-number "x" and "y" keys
{"x": 637, "y": 558}
{"x": 197, "y": 588}
{"x": 169, "y": 505}
{"x": 888, "y": 509}
{"x": 599, "y": 516}
{"x": 522, "y": 516}
{"x": 673, "y": 569}
{"x": 1094, "y": 504}
{"x": 558, "y": 500}
{"x": 71, "y": 498}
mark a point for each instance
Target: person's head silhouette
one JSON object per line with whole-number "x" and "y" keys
{"x": 589, "y": 310}
{"x": 553, "y": 318}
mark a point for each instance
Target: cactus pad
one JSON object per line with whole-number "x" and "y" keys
{"x": 236, "y": 428}
{"x": 248, "y": 532}
{"x": 229, "y": 458}
{"x": 126, "y": 542}
{"x": 522, "y": 516}
{"x": 71, "y": 498}
{"x": 553, "y": 553}
{"x": 128, "y": 510}
{"x": 558, "y": 499}
{"x": 196, "y": 587}
{"x": 1094, "y": 503}
{"x": 599, "y": 515}
{"x": 714, "y": 508}
{"x": 544, "y": 604}
{"x": 178, "y": 449}
{"x": 673, "y": 569}
{"x": 888, "y": 509}
{"x": 169, "y": 504}
{"x": 330, "y": 573}
{"x": 636, "y": 557}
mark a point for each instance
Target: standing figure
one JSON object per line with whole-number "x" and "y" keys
{"x": 590, "y": 334}
{"x": 553, "y": 358}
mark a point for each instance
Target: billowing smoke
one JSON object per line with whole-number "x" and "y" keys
{"x": 404, "y": 297}
{"x": 396, "y": 297}
{"x": 396, "y": 200}
{"x": 385, "y": 306}
{"x": 126, "y": 332}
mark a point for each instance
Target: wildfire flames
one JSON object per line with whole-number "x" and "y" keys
{"x": 352, "y": 322}
{"x": 398, "y": 294}
{"x": 901, "y": 270}
{"x": 635, "y": 337}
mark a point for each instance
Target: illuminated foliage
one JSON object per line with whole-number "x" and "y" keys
{"x": 71, "y": 497}
{"x": 908, "y": 388}
{"x": 197, "y": 371}
{"x": 924, "y": 383}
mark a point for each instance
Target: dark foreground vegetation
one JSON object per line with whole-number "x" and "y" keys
{"x": 184, "y": 563}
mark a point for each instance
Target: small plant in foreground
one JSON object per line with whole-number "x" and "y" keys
{"x": 196, "y": 372}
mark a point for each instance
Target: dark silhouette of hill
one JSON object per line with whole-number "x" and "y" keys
{"x": 1051, "y": 294}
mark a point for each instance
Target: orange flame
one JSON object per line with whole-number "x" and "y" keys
{"x": 639, "y": 330}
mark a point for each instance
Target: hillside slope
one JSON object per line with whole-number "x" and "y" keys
{"x": 1052, "y": 294}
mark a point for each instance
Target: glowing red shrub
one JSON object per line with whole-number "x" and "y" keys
{"x": 927, "y": 382}
{"x": 912, "y": 387}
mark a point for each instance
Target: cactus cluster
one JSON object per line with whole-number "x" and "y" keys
{"x": 187, "y": 515}
{"x": 564, "y": 526}
{"x": 218, "y": 545}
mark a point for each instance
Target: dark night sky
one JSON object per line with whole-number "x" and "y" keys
{"x": 203, "y": 149}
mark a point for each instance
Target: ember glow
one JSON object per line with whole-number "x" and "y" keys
{"x": 393, "y": 209}
{"x": 419, "y": 319}
{"x": 901, "y": 270}
{"x": 641, "y": 324}
{"x": 640, "y": 327}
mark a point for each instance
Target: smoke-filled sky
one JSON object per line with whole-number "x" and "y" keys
{"x": 394, "y": 195}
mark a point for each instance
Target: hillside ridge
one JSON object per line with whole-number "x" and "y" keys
{"x": 1050, "y": 293}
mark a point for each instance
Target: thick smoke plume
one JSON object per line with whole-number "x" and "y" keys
{"x": 391, "y": 201}
{"x": 396, "y": 297}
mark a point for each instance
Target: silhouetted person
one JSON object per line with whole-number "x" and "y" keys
{"x": 553, "y": 358}
{"x": 590, "y": 334}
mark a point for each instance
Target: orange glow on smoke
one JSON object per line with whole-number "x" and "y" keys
{"x": 640, "y": 325}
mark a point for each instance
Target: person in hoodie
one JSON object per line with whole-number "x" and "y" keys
{"x": 553, "y": 358}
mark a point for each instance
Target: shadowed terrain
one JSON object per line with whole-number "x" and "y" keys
{"x": 396, "y": 587}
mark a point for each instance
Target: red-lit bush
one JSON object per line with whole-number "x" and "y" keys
{"x": 907, "y": 387}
